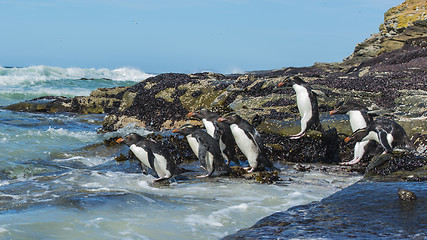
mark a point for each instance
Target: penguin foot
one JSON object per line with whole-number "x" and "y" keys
{"x": 297, "y": 136}
{"x": 203, "y": 176}
{"x": 249, "y": 169}
{"x": 160, "y": 179}
{"x": 352, "y": 162}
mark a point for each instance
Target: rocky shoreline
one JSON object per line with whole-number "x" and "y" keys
{"x": 387, "y": 73}
{"x": 393, "y": 84}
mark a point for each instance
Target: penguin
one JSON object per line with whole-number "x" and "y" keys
{"x": 307, "y": 106}
{"x": 220, "y": 131}
{"x": 387, "y": 133}
{"x": 359, "y": 118}
{"x": 249, "y": 141}
{"x": 205, "y": 147}
{"x": 152, "y": 154}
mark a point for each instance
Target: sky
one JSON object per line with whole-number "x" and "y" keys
{"x": 158, "y": 36}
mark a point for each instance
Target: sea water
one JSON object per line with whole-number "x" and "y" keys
{"x": 55, "y": 183}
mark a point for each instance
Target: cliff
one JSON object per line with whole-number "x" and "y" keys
{"x": 403, "y": 22}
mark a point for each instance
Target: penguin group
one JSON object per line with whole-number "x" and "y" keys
{"x": 215, "y": 146}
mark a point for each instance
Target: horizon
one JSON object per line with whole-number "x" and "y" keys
{"x": 189, "y": 36}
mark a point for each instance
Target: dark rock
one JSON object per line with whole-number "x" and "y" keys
{"x": 322, "y": 148}
{"x": 365, "y": 210}
{"x": 46, "y": 104}
{"x": 301, "y": 168}
{"x": 406, "y": 195}
{"x": 386, "y": 164}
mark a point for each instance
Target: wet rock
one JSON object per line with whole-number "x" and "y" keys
{"x": 406, "y": 195}
{"x": 260, "y": 177}
{"x": 395, "y": 165}
{"x": 302, "y": 168}
{"x": 46, "y": 104}
{"x": 322, "y": 147}
{"x": 360, "y": 211}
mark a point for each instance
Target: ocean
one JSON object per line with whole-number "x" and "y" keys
{"x": 58, "y": 180}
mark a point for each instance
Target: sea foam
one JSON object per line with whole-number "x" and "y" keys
{"x": 34, "y": 74}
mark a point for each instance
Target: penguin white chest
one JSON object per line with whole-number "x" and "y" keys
{"x": 141, "y": 154}
{"x": 160, "y": 164}
{"x": 245, "y": 144}
{"x": 372, "y": 136}
{"x": 357, "y": 120}
{"x": 303, "y": 101}
{"x": 210, "y": 128}
{"x": 390, "y": 139}
{"x": 194, "y": 144}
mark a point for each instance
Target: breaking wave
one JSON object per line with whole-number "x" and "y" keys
{"x": 35, "y": 74}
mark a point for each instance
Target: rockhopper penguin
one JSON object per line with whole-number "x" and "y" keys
{"x": 386, "y": 132}
{"x": 249, "y": 141}
{"x": 205, "y": 147}
{"x": 359, "y": 118}
{"x": 153, "y": 155}
{"x": 307, "y": 106}
{"x": 220, "y": 131}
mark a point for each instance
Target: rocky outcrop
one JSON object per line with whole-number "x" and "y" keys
{"x": 365, "y": 210}
{"x": 401, "y": 23}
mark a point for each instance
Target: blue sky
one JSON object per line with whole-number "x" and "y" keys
{"x": 185, "y": 36}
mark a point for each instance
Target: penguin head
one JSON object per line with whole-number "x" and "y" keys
{"x": 185, "y": 129}
{"x": 344, "y": 107}
{"x": 297, "y": 80}
{"x": 292, "y": 80}
{"x": 357, "y": 135}
{"x": 199, "y": 113}
{"x": 230, "y": 118}
{"x": 130, "y": 139}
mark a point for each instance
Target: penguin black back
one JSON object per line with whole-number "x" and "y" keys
{"x": 152, "y": 154}
{"x": 387, "y": 132}
{"x": 307, "y": 106}
{"x": 249, "y": 141}
{"x": 220, "y": 131}
{"x": 202, "y": 145}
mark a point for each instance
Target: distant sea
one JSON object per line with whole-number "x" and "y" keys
{"x": 53, "y": 186}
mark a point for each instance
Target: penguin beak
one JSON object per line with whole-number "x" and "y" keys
{"x": 191, "y": 114}
{"x": 333, "y": 112}
{"x": 348, "y": 139}
{"x": 281, "y": 84}
{"x": 176, "y": 130}
{"x": 119, "y": 140}
{"x": 221, "y": 119}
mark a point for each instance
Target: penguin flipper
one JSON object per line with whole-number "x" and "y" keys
{"x": 256, "y": 138}
{"x": 151, "y": 158}
{"x": 382, "y": 136}
{"x": 202, "y": 155}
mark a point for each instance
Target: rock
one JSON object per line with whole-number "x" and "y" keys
{"x": 406, "y": 195}
{"x": 301, "y": 168}
{"x": 46, "y": 104}
{"x": 396, "y": 166}
{"x": 401, "y": 23}
{"x": 360, "y": 211}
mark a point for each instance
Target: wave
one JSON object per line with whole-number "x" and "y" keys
{"x": 36, "y": 74}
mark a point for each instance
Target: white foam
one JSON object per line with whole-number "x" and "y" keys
{"x": 45, "y": 91}
{"x": 34, "y": 74}
{"x": 131, "y": 128}
{"x": 84, "y": 136}
{"x": 88, "y": 161}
